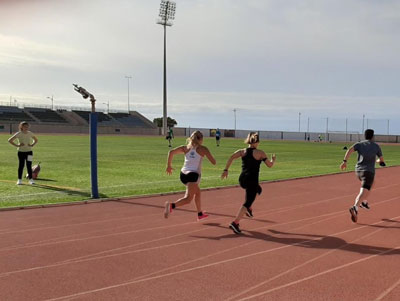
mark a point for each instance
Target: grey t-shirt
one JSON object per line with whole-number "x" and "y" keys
{"x": 367, "y": 153}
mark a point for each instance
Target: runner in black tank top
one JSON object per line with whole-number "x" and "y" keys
{"x": 248, "y": 179}
{"x": 250, "y": 166}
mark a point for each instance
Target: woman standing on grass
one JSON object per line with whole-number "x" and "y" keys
{"x": 248, "y": 179}
{"x": 26, "y": 140}
{"x": 190, "y": 175}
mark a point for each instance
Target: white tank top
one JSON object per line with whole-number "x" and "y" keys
{"x": 192, "y": 162}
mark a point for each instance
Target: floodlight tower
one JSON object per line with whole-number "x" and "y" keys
{"x": 167, "y": 14}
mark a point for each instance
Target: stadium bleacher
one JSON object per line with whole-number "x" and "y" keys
{"x": 129, "y": 120}
{"x": 102, "y": 118}
{"x": 46, "y": 115}
{"x": 13, "y": 114}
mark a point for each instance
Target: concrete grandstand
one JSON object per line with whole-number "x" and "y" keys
{"x": 45, "y": 120}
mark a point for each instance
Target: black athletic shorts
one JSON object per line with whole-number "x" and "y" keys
{"x": 191, "y": 177}
{"x": 366, "y": 178}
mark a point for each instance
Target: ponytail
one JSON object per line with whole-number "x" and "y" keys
{"x": 252, "y": 138}
{"x": 194, "y": 139}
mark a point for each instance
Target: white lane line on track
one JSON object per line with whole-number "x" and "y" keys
{"x": 320, "y": 274}
{"x": 279, "y": 210}
{"x": 263, "y": 214}
{"x": 386, "y": 292}
{"x": 222, "y": 262}
{"x": 228, "y": 250}
{"x": 97, "y": 257}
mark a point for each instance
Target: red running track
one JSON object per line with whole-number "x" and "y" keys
{"x": 301, "y": 245}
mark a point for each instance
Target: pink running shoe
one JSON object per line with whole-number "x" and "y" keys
{"x": 168, "y": 209}
{"x": 201, "y": 217}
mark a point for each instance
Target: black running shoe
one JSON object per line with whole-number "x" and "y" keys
{"x": 249, "y": 212}
{"x": 235, "y": 227}
{"x": 353, "y": 212}
{"x": 364, "y": 205}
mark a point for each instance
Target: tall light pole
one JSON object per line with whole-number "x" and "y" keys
{"x": 167, "y": 13}
{"x": 388, "y": 122}
{"x": 234, "y": 114}
{"x": 52, "y": 101}
{"x": 327, "y": 128}
{"x": 128, "y": 78}
{"x": 299, "y": 120}
{"x": 363, "y": 124}
{"x": 108, "y": 106}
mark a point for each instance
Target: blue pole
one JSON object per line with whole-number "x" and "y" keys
{"x": 93, "y": 155}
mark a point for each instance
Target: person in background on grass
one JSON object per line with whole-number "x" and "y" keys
{"x": 170, "y": 136}
{"x": 190, "y": 175}
{"x": 367, "y": 150}
{"x": 217, "y": 136}
{"x": 249, "y": 177}
{"x": 26, "y": 140}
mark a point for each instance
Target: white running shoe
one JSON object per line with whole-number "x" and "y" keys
{"x": 31, "y": 181}
{"x": 19, "y": 182}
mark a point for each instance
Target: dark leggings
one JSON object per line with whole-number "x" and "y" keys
{"x": 22, "y": 157}
{"x": 250, "y": 183}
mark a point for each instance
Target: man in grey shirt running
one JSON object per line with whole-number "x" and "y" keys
{"x": 367, "y": 150}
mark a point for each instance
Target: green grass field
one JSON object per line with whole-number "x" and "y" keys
{"x": 130, "y": 166}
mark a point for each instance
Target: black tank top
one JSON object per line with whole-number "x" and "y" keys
{"x": 250, "y": 166}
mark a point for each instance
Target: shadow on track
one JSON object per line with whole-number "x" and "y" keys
{"x": 309, "y": 241}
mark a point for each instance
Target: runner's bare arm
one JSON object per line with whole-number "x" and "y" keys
{"x": 238, "y": 154}
{"x": 35, "y": 140}
{"x": 271, "y": 162}
{"x": 381, "y": 161}
{"x": 343, "y": 166}
{"x": 171, "y": 154}
{"x": 210, "y": 156}
{"x": 11, "y": 141}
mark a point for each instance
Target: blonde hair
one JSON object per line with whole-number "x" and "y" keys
{"x": 252, "y": 138}
{"x": 194, "y": 139}
{"x": 21, "y": 124}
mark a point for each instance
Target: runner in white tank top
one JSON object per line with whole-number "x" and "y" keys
{"x": 193, "y": 162}
{"x": 190, "y": 172}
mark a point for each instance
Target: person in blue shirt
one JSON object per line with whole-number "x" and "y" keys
{"x": 217, "y": 136}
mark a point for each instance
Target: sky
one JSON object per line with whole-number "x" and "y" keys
{"x": 329, "y": 60}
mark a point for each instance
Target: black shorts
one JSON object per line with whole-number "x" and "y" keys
{"x": 366, "y": 178}
{"x": 191, "y": 177}
{"x": 217, "y": 137}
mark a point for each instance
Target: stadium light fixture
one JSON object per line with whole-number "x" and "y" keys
{"x": 167, "y": 14}
{"x": 52, "y": 101}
